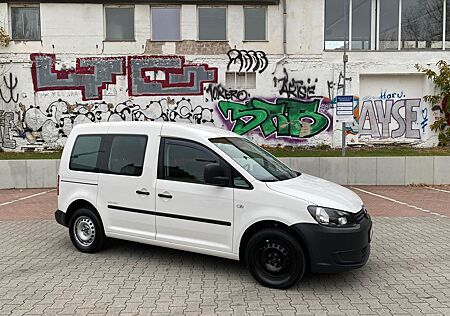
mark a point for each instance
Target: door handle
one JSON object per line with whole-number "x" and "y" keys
{"x": 166, "y": 196}
{"x": 142, "y": 192}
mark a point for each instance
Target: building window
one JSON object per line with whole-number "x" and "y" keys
{"x": 422, "y": 23}
{"x": 336, "y": 30}
{"x": 119, "y": 23}
{"x": 361, "y": 24}
{"x": 385, "y": 24}
{"x": 240, "y": 80}
{"x": 212, "y": 24}
{"x": 339, "y": 15}
{"x": 447, "y": 25}
{"x": 166, "y": 24}
{"x": 388, "y": 24}
{"x": 255, "y": 24}
{"x": 25, "y": 23}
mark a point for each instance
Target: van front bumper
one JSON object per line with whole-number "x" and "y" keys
{"x": 60, "y": 217}
{"x": 333, "y": 249}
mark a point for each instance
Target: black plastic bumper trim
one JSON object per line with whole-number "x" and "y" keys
{"x": 60, "y": 218}
{"x": 333, "y": 249}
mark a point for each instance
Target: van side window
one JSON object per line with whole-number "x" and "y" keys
{"x": 127, "y": 154}
{"x": 185, "y": 163}
{"x": 85, "y": 153}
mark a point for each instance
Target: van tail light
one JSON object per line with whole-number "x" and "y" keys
{"x": 57, "y": 187}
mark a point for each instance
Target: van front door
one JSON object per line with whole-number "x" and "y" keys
{"x": 190, "y": 212}
{"x": 126, "y": 192}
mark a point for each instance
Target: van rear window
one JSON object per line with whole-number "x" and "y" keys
{"x": 85, "y": 153}
{"x": 127, "y": 154}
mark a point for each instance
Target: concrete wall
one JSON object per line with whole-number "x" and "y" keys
{"x": 345, "y": 171}
{"x": 376, "y": 170}
{"x": 292, "y": 103}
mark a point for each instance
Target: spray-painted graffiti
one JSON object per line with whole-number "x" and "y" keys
{"x": 353, "y": 127}
{"x": 219, "y": 92}
{"x": 292, "y": 88}
{"x": 177, "y": 77}
{"x": 60, "y": 116}
{"x": 284, "y": 118}
{"x": 6, "y": 123}
{"x": 382, "y": 113}
{"x": 248, "y": 60}
{"x": 92, "y": 75}
{"x": 424, "y": 122}
{"x": 9, "y": 96}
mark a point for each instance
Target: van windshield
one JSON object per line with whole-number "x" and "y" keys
{"x": 255, "y": 160}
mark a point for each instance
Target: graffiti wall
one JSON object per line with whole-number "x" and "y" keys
{"x": 392, "y": 110}
{"x": 44, "y": 97}
{"x": 246, "y": 91}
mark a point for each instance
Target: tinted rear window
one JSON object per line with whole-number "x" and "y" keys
{"x": 85, "y": 153}
{"x": 127, "y": 154}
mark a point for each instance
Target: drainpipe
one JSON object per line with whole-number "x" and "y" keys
{"x": 284, "y": 37}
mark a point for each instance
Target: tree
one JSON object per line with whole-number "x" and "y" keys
{"x": 440, "y": 101}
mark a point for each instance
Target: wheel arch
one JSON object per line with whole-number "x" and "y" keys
{"x": 252, "y": 229}
{"x": 76, "y": 205}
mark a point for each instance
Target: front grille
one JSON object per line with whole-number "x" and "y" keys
{"x": 361, "y": 215}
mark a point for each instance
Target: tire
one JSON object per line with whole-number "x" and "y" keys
{"x": 275, "y": 258}
{"x": 86, "y": 231}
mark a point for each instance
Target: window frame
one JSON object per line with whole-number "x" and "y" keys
{"x": 166, "y": 7}
{"x": 118, "y": 6}
{"x": 25, "y": 5}
{"x": 226, "y": 23}
{"x": 194, "y": 144}
{"x": 266, "y": 31}
{"x": 375, "y": 30}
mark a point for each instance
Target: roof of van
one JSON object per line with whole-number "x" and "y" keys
{"x": 171, "y": 129}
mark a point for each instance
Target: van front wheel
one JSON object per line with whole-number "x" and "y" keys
{"x": 86, "y": 231}
{"x": 275, "y": 258}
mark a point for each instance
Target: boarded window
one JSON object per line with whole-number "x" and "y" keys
{"x": 240, "y": 80}
{"x": 255, "y": 24}
{"x": 165, "y": 24}
{"x": 119, "y": 24}
{"x": 26, "y": 24}
{"x": 212, "y": 24}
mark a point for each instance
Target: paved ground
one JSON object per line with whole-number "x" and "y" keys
{"x": 42, "y": 273}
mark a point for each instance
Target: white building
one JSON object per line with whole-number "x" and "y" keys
{"x": 267, "y": 69}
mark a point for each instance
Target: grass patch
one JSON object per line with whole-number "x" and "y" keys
{"x": 30, "y": 155}
{"x": 286, "y": 152}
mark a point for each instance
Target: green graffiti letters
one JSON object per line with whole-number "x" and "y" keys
{"x": 286, "y": 117}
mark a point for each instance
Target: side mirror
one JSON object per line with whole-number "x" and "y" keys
{"x": 215, "y": 174}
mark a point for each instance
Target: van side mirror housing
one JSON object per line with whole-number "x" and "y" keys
{"x": 216, "y": 175}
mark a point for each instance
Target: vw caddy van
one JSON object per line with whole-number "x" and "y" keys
{"x": 210, "y": 191}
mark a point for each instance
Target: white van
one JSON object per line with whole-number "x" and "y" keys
{"x": 210, "y": 191}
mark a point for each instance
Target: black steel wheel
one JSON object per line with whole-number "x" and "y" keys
{"x": 275, "y": 258}
{"x": 86, "y": 231}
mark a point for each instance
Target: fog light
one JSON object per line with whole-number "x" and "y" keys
{"x": 342, "y": 221}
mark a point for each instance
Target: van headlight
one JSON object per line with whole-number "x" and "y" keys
{"x": 331, "y": 217}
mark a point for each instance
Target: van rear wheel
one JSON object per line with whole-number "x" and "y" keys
{"x": 275, "y": 258}
{"x": 86, "y": 231}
